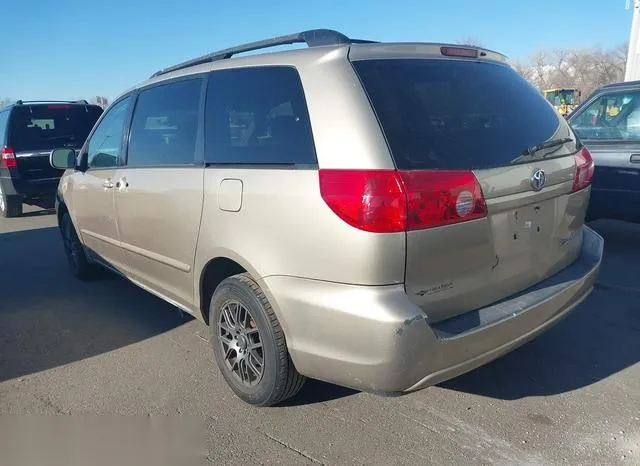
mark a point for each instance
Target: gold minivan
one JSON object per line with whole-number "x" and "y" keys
{"x": 380, "y": 216}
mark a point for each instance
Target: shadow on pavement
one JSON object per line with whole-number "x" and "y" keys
{"x": 599, "y": 338}
{"x": 48, "y": 318}
{"x": 315, "y": 391}
{"x": 38, "y": 213}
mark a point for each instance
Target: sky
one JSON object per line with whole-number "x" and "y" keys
{"x": 76, "y": 49}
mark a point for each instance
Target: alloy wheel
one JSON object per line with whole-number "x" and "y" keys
{"x": 241, "y": 343}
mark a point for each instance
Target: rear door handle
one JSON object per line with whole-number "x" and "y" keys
{"x": 635, "y": 158}
{"x": 107, "y": 184}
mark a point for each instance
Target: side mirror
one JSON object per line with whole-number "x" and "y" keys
{"x": 63, "y": 158}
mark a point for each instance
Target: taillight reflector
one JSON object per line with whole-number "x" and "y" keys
{"x": 388, "y": 201}
{"x": 8, "y": 158}
{"x": 437, "y": 198}
{"x": 584, "y": 170}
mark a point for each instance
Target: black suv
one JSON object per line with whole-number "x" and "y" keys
{"x": 29, "y": 131}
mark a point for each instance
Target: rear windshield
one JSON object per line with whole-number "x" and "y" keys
{"x": 45, "y": 127}
{"x": 455, "y": 114}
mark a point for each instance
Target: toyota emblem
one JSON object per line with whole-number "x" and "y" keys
{"x": 538, "y": 180}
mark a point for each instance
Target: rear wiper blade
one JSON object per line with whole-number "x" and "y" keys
{"x": 545, "y": 145}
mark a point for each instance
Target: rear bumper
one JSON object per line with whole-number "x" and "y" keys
{"x": 29, "y": 188}
{"x": 375, "y": 339}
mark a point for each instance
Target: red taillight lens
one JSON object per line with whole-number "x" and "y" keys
{"x": 388, "y": 201}
{"x": 584, "y": 170}
{"x": 437, "y": 198}
{"x": 371, "y": 200}
{"x": 8, "y": 159}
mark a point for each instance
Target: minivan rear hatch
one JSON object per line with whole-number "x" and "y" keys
{"x": 450, "y": 119}
{"x": 36, "y": 129}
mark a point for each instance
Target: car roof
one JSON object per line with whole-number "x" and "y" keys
{"x": 33, "y": 103}
{"x": 620, "y": 85}
{"x": 319, "y": 42}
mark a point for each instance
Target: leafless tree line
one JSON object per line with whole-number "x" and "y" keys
{"x": 584, "y": 68}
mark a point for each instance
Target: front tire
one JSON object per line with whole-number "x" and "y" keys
{"x": 80, "y": 267}
{"x": 249, "y": 345}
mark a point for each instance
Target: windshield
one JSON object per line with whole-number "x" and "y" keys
{"x": 568, "y": 96}
{"x": 46, "y": 127}
{"x": 456, "y": 114}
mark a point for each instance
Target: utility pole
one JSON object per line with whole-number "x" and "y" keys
{"x": 632, "y": 71}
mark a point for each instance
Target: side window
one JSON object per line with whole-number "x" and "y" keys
{"x": 257, "y": 116}
{"x": 612, "y": 116}
{"x": 4, "y": 119}
{"x": 105, "y": 144}
{"x": 164, "y": 128}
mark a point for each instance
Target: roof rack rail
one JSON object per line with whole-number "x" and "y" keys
{"x": 313, "y": 38}
{"x": 82, "y": 101}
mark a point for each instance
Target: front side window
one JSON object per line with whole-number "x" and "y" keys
{"x": 164, "y": 128}
{"x": 611, "y": 116}
{"x": 105, "y": 144}
{"x": 257, "y": 116}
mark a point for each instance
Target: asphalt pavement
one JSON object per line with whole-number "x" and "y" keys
{"x": 572, "y": 396}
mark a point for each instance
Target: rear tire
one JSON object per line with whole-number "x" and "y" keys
{"x": 80, "y": 266}
{"x": 10, "y": 206}
{"x": 249, "y": 345}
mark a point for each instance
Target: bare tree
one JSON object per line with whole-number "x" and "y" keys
{"x": 100, "y": 100}
{"x": 5, "y": 101}
{"x": 585, "y": 69}
{"x": 471, "y": 42}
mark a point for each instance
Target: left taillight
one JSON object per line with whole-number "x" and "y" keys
{"x": 584, "y": 170}
{"x": 8, "y": 158}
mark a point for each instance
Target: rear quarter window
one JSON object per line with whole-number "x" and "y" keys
{"x": 455, "y": 114}
{"x": 257, "y": 116}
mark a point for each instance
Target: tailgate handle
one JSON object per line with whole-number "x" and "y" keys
{"x": 635, "y": 158}
{"x": 108, "y": 184}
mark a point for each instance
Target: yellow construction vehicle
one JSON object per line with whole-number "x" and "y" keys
{"x": 564, "y": 100}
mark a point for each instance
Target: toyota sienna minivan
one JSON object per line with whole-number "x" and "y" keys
{"x": 382, "y": 216}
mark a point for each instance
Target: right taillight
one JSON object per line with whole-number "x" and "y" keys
{"x": 584, "y": 170}
{"x": 388, "y": 201}
{"x": 8, "y": 158}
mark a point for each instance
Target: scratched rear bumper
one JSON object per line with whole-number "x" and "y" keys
{"x": 375, "y": 339}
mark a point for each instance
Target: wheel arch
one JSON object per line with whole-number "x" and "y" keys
{"x": 224, "y": 264}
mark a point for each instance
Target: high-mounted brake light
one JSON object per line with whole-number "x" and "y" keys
{"x": 389, "y": 201}
{"x": 459, "y": 52}
{"x": 584, "y": 170}
{"x": 57, "y": 106}
{"x": 8, "y": 158}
